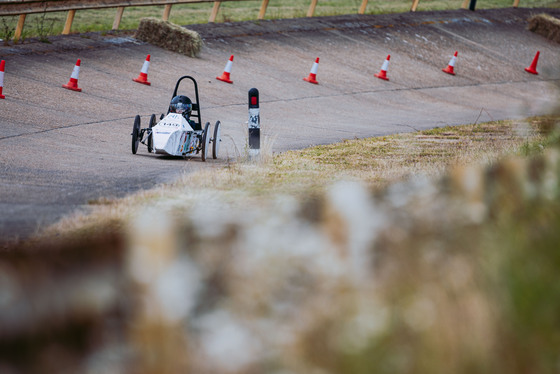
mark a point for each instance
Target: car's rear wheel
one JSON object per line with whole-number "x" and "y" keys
{"x": 151, "y": 136}
{"x": 205, "y": 141}
{"x": 135, "y": 134}
{"x": 216, "y": 140}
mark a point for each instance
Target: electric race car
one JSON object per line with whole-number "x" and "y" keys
{"x": 180, "y": 131}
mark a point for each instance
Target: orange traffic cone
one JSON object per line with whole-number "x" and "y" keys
{"x": 533, "y": 68}
{"x": 225, "y": 76}
{"x": 312, "y": 77}
{"x": 2, "y": 64}
{"x": 383, "y": 72}
{"x": 143, "y": 76}
{"x": 450, "y": 67}
{"x": 73, "y": 82}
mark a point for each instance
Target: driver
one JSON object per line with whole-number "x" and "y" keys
{"x": 182, "y": 105}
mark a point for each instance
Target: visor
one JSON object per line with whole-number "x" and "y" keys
{"x": 181, "y": 107}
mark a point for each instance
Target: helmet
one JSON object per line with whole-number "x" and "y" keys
{"x": 182, "y": 105}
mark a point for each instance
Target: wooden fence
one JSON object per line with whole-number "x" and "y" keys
{"x": 25, "y": 7}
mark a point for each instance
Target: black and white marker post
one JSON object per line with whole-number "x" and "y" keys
{"x": 254, "y": 123}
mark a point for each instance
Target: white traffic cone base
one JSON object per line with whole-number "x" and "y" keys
{"x": 225, "y": 77}
{"x": 2, "y": 65}
{"x": 143, "y": 76}
{"x": 450, "y": 69}
{"x": 312, "y": 77}
{"x": 383, "y": 72}
{"x": 73, "y": 82}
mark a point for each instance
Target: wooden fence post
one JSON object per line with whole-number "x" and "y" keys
{"x": 215, "y": 9}
{"x": 166, "y": 12}
{"x": 414, "y": 5}
{"x": 465, "y": 3}
{"x": 363, "y": 7}
{"x": 118, "y": 17}
{"x": 69, "y": 20}
{"x": 262, "y": 11}
{"x": 311, "y": 8}
{"x": 19, "y": 27}
{"x": 515, "y": 3}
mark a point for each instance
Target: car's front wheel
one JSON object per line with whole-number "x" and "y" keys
{"x": 135, "y": 134}
{"x": 205, "y": 141}
{"x": 151, "y": 136}
{"x": 216, "y": 140}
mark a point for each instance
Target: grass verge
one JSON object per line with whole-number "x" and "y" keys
{"x": 377, "y": 161}
{"x": 410, "y": 280}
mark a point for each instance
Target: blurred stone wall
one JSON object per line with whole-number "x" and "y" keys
{"x": 422, "y": 277}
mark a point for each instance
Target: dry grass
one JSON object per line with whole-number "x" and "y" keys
{"x": 452, "y": 275}
{"x": 377, "y": 161}
{"x": 545, "y": 25}
{"x": 167, "y": 35}
{"x": 383, "y": 160}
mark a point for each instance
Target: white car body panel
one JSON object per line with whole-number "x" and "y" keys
{"x": 174, "y": 136}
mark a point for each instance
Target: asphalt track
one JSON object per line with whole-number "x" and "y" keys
{"x": 61, "y": 149}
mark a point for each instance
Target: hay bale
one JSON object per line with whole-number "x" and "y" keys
{"x": 545, "y": 25}
{"x": 169, "y": 36}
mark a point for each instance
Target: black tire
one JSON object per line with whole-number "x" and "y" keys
{"x": 151, "y": 136}
{"x": 205, "y": 141}
{"x": 135, "y": 134}
{"x": 216, "y": 140}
